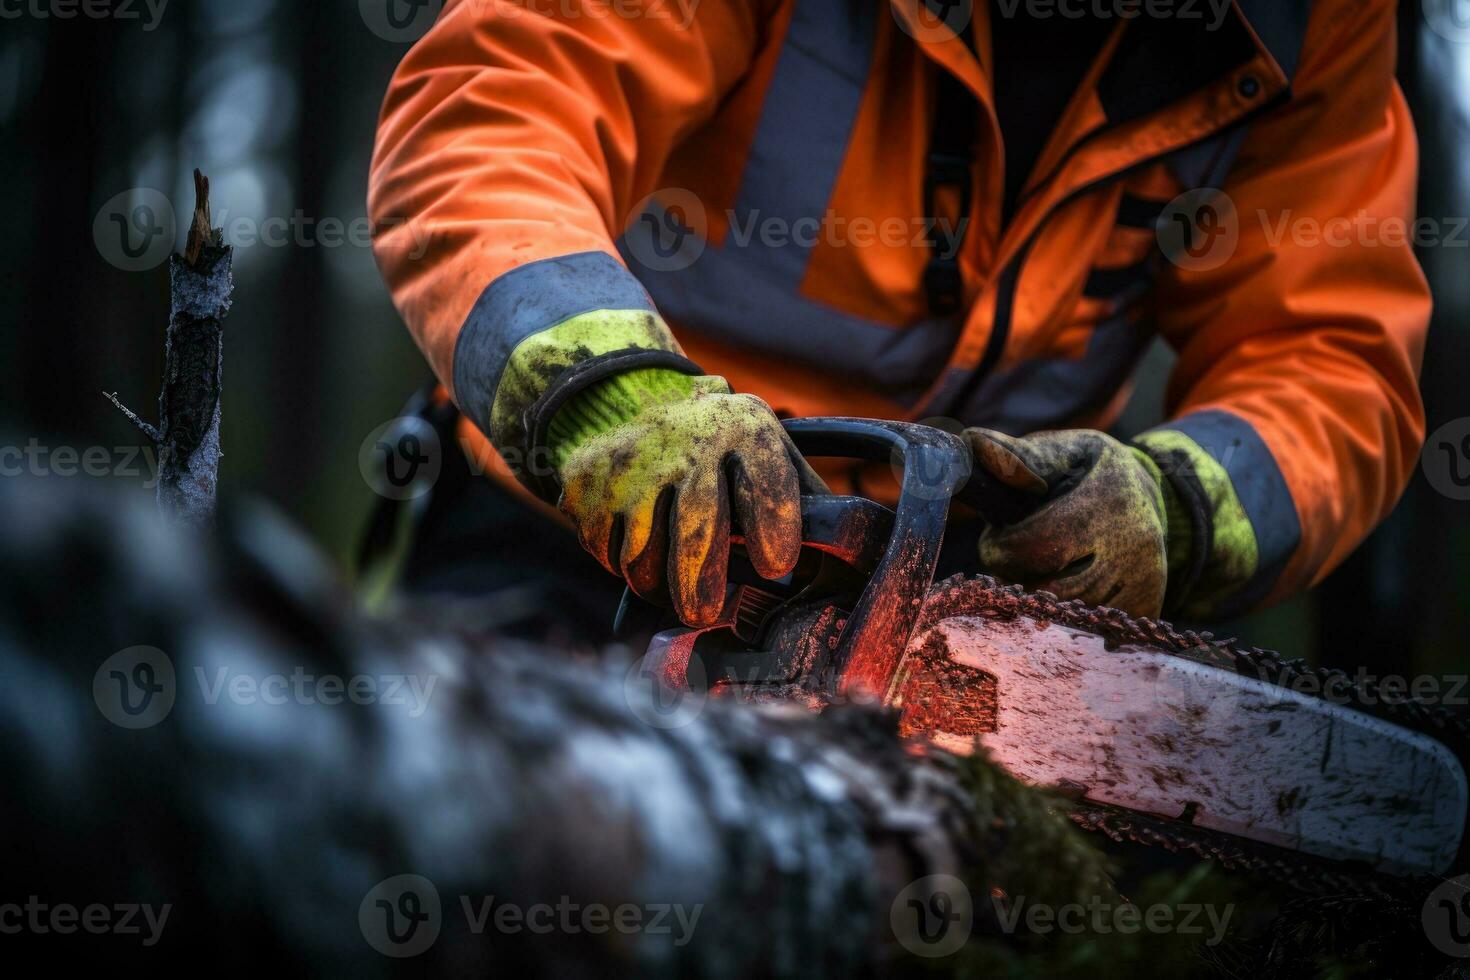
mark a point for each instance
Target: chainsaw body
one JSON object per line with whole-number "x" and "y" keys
{"x": 1114, "y": 712}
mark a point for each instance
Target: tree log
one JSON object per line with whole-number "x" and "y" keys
{"x": 265, "y": 804}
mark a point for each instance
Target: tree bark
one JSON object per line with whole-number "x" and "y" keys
{"x": 188, "y": 434}
{"x": 266, "y": 812}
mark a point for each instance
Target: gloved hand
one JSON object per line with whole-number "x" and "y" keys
{"x": 1100, "y": 533}
{"x": 652, "y": 465}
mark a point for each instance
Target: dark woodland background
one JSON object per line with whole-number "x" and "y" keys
{"x": 277, "y": 102}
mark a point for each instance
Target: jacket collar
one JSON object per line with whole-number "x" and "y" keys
{"x": 1170, "y": 84}
{"x": 1160, "y": 60}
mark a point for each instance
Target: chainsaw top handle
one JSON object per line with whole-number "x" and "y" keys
{"x": 936, "y": 465}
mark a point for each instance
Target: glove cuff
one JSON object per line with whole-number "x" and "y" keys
{"x": 611, "y": 402}
{"x": 1188, "y": 520}
{"x": 594, "y": 395}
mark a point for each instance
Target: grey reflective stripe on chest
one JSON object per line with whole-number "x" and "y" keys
{"x": 747, "y": 291}
{"x": 806, "y": 122}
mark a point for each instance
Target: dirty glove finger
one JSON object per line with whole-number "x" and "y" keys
{"x": 594, "y": 523}
{"x": 699, "y": 546}
{"x": 767, "y": 498}
{"x": 645, "y": 552}
{"x": 1007, "y": 459}
{"x": 1030, "y": 552}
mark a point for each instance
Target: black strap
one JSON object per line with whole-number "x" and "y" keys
{"x": 575, "y": 379}
{"x": 379, "y": 534}
{"x": 951, "y": 153}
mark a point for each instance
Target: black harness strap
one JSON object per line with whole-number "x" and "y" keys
{"x": 951, "y": 153}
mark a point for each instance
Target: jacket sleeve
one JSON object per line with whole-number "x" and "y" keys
{"x": 1299, "y": 355}
{"x": 513, "y": 141}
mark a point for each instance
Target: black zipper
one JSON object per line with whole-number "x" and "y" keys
{"x": 1010, "y": 276}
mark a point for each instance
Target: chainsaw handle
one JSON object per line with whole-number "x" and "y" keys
{"x": 997, "y": 504}
{"x": 935, "y": 465}
{"x": 854, "y": 530}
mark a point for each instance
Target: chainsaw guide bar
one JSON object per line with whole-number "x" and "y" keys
{"x": 1188, "y": 733}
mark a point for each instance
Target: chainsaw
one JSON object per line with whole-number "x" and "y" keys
{"x": 1150, "y": 733}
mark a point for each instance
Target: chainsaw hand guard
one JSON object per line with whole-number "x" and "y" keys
{"x": 897, "y": 551}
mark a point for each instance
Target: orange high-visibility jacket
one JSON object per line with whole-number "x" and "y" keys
{"x": 534, "y": 158}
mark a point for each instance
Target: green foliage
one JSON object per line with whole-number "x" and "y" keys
{"x": 1206, "y": 922}
{"x": 1049, "y": 901}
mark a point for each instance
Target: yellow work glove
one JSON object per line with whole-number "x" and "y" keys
{"x": 654, "y": 463}
{"x": 1100, "y": 530}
